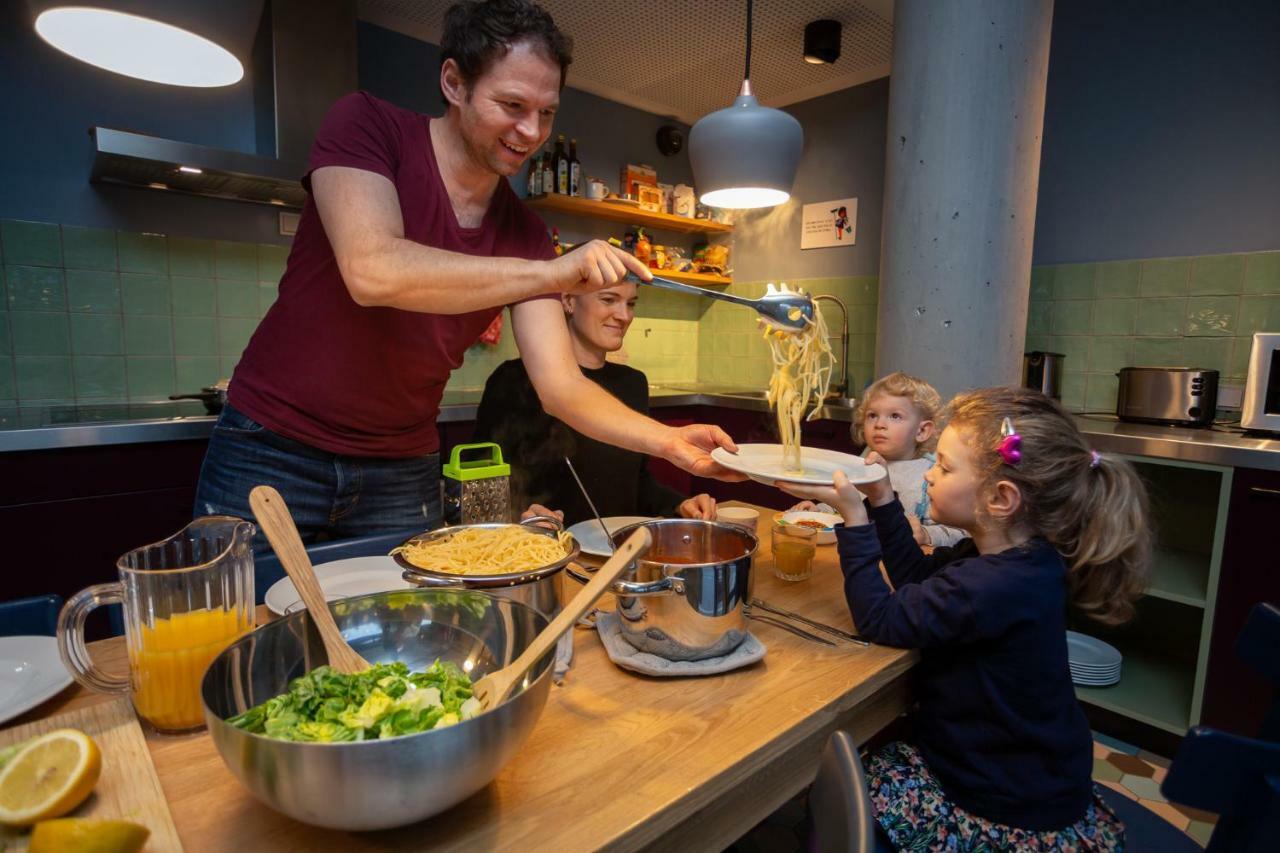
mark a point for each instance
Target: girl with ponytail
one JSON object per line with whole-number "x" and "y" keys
{"x": 1001, "y": 755}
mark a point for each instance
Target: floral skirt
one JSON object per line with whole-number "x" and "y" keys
{"x": 916, "y": 815}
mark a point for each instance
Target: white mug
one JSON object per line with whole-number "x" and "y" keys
{"x": 740, "y": 515}
{"x": 596, "y": 189}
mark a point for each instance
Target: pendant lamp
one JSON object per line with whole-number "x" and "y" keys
{"x": 175, "y": 42}
{"x": 745, "y": 155}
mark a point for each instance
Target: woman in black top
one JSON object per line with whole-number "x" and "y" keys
{"x": 536, "y": 444}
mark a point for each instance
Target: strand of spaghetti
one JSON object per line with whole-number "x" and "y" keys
{"x": 802, "y": 364}
{"x": 486, "y": 551}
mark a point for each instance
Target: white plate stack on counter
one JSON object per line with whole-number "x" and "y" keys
{"x": 1093, "y": 663}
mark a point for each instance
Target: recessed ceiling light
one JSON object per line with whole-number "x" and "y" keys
{"x": 821, "y": 42}
{"x": 138, "y": 47}
{"x": 191, "y": 170}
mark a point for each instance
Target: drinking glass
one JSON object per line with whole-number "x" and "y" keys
{"x": 185, "y": 599}
{"x": 793, "y": 550}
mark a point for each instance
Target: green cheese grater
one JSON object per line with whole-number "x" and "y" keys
{"x": 478, "y": 489}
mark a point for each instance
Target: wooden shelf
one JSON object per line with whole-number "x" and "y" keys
{"x": 1180, "y": 576}
{"x": 625, "y": 213}
{"x": 698, "y": 278}
{"x": 1152, "y": 690}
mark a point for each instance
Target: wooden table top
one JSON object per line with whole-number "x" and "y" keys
{"x": 617, "y": 760}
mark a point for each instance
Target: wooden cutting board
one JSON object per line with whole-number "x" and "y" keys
{"x": 128, "y": 788}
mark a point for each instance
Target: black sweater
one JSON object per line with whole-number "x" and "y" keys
{"x": 536, "y": 444}
{"x": 998, "y": 721}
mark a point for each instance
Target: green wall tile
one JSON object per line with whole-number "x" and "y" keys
{"x": 227, "y": 365}
{"x": 43, "y": 377}
{"x": 1241, "y": 349}
{"x": 191, "y": 257}
{"x": 1114, "y": 316}
{"x": 1118, "y": 279}
{"x": 1073, "y": 317}
{"x": 237, "y": 298}
{"x": 1100, "y": 392}
{"x": 1107, "y": 355}
{"x": 36, "y": 244}
{"x": 1042, "y": 283}
{"x": 1165, "y": 276}
{"x": 6, "y": 341}
{"x": 99, "y": 376}
{"x": 233, "y": 335}
{"x": 271, "y": 261}
{"x": 145, "y": 335}
{"x": 142, "y": 253}
{"x": 145, "y": 294}
{"x": 1262, "y": 273}
{"x": 1207, "y": 353}
{"x": 35, "y": 288}
{"x": 1157, "y": 352}
{"x": 1040, "y": 317}
{"x": 1259, "y": 313}
{"x": 1161, "y": 316}
{"x": 194, "y": 297}
{"x": 149, "y": 376}
{"x": 1074, "y": 281}
{"x": 1217, "y": 274}
{"x": 8, "y": 390}
{"x": 1212, "y": 315}
{"x": 236, "y": 260}
{"x": 267, "y": 293}
{"x": 1075, "y": 348}
{"x": 195, "y": 336}
{"x": 192, "y": 374}
{"x": 97, "y": 334}
{"x": 88, "y": 248}
{"x": 93, "y": 291}
{"x": 1073, "y": 385}
{"x": 41, "y": 333}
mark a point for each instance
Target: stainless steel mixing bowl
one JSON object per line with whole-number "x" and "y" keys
{"x": 379, "y": 784}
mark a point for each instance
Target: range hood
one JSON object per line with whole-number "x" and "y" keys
{"x": 309, "y": 50}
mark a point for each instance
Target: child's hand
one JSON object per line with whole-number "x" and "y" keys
{"x": 917, "y": 530}
{"x": 841, "y": 494}
{"x": 803, "y": 506}
{"x": 881, "y": 491}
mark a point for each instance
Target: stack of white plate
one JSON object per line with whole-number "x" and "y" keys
{"x": 1093, "y": 663}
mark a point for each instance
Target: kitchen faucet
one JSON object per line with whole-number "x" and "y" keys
{"x": 842, "y": 387}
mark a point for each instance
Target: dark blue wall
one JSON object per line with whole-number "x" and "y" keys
{"x": 1162, "y": 130}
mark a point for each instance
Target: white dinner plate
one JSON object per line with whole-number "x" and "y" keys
{"x": 1090, "y": 652}
{"x": 30, "y": 672}
{"x": 763, "y": 463}
{"x": 591, "y": 538}
{"x": 342, "y": 579}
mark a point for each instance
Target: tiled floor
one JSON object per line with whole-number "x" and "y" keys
{"x": 1137, "y": 774}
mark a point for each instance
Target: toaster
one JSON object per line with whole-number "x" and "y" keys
{"x": 1180, "y": 396}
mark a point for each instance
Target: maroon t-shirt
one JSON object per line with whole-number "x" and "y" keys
{"x": 327, "y": 372}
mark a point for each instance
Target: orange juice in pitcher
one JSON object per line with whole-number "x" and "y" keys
{"x": 169, "y": 660}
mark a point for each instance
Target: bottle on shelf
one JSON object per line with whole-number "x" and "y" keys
{"x": 534, "y": 186}
{"x": 548, "y": 177}
{"x": 575, "y": 169}
{"x": 560, "y": 167}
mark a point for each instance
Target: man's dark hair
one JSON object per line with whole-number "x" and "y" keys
{"x": 477, "y": 34}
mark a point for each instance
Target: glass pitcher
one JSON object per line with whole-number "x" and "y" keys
{"x": 185, "y": 599}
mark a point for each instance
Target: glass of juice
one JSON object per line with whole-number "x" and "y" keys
{"x": 793, "y": 550}
{"x": 185, "y": 599}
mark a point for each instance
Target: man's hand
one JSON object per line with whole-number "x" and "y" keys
{"x": 699, "y": 506}
{"x": 689, "y": 448}
{"x": 841, "y": 494}
{"x": 539, "y": 509}
{"x": 593, "y": 266}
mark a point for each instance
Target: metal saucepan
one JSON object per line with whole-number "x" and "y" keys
{"x": 538, "y": 587}
{"x": 377, "y": 784}
{"x": 683, "y": 599}
{"x": 213, "y": 396}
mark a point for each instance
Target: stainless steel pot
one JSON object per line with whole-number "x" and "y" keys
{"x": 213, "y": 396}
{"x": 539, "y": 588}
{"x": 683, "y": 600}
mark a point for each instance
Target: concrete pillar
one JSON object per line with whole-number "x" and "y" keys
{"x": 966, "y": 110}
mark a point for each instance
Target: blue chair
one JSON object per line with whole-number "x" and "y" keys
{"x": 843, "y": 819}
{"x": 35, "y": 617}
{"x": 267, "y": 569}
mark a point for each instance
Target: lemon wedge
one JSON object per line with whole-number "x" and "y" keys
{"x": 87, "y": 836}
{"x": 50, "y": 776}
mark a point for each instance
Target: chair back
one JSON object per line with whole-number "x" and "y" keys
{"x": 36, "y": 616}
{"x": 267, "y": 569}
{"x": 844, "y": 820}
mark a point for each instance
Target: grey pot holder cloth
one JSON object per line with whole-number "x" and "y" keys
{"x": 564, "y": 657}
{"x": 627, "y": 656}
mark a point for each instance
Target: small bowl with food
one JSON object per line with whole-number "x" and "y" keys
{"x": 823, "y": 522}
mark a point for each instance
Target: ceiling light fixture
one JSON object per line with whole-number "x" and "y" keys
{"x": 822, "y": 42}
{"x": 191, "y": 170}
{"x": 138, "y": 47}
{"x": 746, "y": 155}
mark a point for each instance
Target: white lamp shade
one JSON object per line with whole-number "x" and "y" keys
{"x": 745, "y": 155}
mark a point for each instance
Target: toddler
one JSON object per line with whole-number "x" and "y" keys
{"x": 1001, "y": 753}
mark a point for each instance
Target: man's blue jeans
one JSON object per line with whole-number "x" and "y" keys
{"x": 340, "y": 496}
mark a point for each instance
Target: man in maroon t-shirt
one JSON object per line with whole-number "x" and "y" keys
{"x": 411, "y": 243}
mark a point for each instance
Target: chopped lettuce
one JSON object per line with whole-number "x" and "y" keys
{"x": 385, "y": 701}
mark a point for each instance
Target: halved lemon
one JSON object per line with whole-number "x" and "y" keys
{"x": 49, "y": 777}
{"x": 87, "y": 836}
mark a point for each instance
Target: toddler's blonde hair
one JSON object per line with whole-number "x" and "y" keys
{"x": 922, "y": 395}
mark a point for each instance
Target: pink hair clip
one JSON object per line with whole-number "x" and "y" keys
{"x": 1010, "y": 448}
{"x": 1095, "y": 459}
